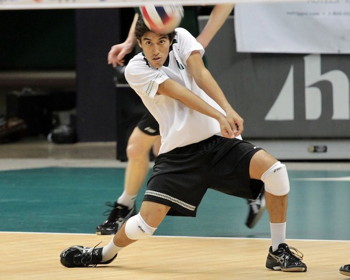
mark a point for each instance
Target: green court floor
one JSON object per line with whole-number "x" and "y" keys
{"x": 71, "y": 200}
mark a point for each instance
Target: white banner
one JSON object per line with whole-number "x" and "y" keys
{"x": 293, "y": 27}
{"x": 82, "y": 4}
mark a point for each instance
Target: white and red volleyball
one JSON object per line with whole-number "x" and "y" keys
{"x": 162, "y": 19}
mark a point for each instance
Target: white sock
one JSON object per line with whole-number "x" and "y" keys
{"x": 278, "y": 234}
{"x": 127, "y": 199}
{"x": 109, "y": 251}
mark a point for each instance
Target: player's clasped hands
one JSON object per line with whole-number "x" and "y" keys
{"x": 233, "y": 126}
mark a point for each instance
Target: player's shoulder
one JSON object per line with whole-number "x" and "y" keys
{"x": 180, "y": 31}
{"x": 136, "y": 66}
{"x": 137, "y": 61}
{"x": 183, "y": 36}
{"x": 136, "y": 58}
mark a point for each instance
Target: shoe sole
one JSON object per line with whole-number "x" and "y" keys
{"x": 295, "y": 269}
{"x": 105, "y": 233}
{"x": 291, "y": 269}
{"x": 346, "y": 273}
{"x": 109, "y": 261}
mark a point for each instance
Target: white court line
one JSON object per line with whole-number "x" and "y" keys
{"x": 335, "y": 179}
{"x": 28, "y": 163}
{"x": 171, "y": 236}
{"x": 17, "y": 164}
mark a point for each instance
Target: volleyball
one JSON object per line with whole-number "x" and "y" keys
{"x": 162, "y": 19}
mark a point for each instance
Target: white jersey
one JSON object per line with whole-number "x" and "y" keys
{"x": 178, "y": 125}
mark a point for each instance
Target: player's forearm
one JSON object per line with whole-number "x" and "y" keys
{"x": 217, "y": 18}
{"x": 131, "y": 39}
{"x": 175, "y": 90}
{"x": 196, "y": 103}
{"x": 209, "y": 85}
{"x": 206, "y": 81}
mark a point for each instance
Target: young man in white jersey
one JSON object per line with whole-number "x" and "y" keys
{"x": 200, "y": 149}
{"x": 145, "y": 137}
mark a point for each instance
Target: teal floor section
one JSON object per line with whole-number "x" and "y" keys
{"x": 72, "y": 200}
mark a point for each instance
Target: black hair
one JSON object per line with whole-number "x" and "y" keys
{"x": 141, "y": 28}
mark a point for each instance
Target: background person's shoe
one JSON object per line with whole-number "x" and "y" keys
{"x": 116, "y": 218}
{"x": 256, "y": 208}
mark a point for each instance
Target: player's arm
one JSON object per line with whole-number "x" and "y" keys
{"x": 177, "y": 91}
{"x": 217, "y": 18}
{"x": 208, "y": 84}
{"x": 118, "y": 52}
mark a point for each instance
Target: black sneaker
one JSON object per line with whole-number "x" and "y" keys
{"x": 256, "y": 208}
{"x": 286, "y": 260}
{"x": 345, "y": 269}
{"x": 116, "y": 218}
{"x": 80, "y": 256}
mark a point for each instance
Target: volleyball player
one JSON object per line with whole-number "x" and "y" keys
{"x": 200, "y": 149}
{"x": 146, "y": 133}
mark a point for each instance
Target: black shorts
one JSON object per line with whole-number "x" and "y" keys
{"x": 182, "y": 176}
{"x": 148, "y": 125}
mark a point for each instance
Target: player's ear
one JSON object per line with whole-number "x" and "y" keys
{"x": 139, "y": 43}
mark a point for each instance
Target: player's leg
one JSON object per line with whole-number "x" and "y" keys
{"x": 140, "y": 226}
{"x": 144, "y": 138}
{"x": 138, "y": 151}
{"x": 275, "y": 177}
{"x": 260, "y": 163}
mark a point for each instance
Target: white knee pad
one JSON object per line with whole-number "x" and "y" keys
{"x": 276, "y": 179}
{"x": 136, "y": 228}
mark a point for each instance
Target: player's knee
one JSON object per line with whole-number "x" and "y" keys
{"x": 133, "y": 151}
{"x": 276, "y": 179}
{"x": 136, "y": 228}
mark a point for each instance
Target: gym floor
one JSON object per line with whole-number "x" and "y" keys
{"x": 50, "y": 188}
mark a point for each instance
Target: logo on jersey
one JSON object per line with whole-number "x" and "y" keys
{"x": 179, "y": 65}
{"x": 150, "y": 130}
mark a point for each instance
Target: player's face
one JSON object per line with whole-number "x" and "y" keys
{"x": 155, "y": 47}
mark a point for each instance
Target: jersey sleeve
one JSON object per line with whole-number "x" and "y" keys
{"x": 144, "y": 79}
{"x": 186, "y": 44}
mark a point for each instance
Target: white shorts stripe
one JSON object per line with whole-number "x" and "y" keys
{"x": 172, "y": 199}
